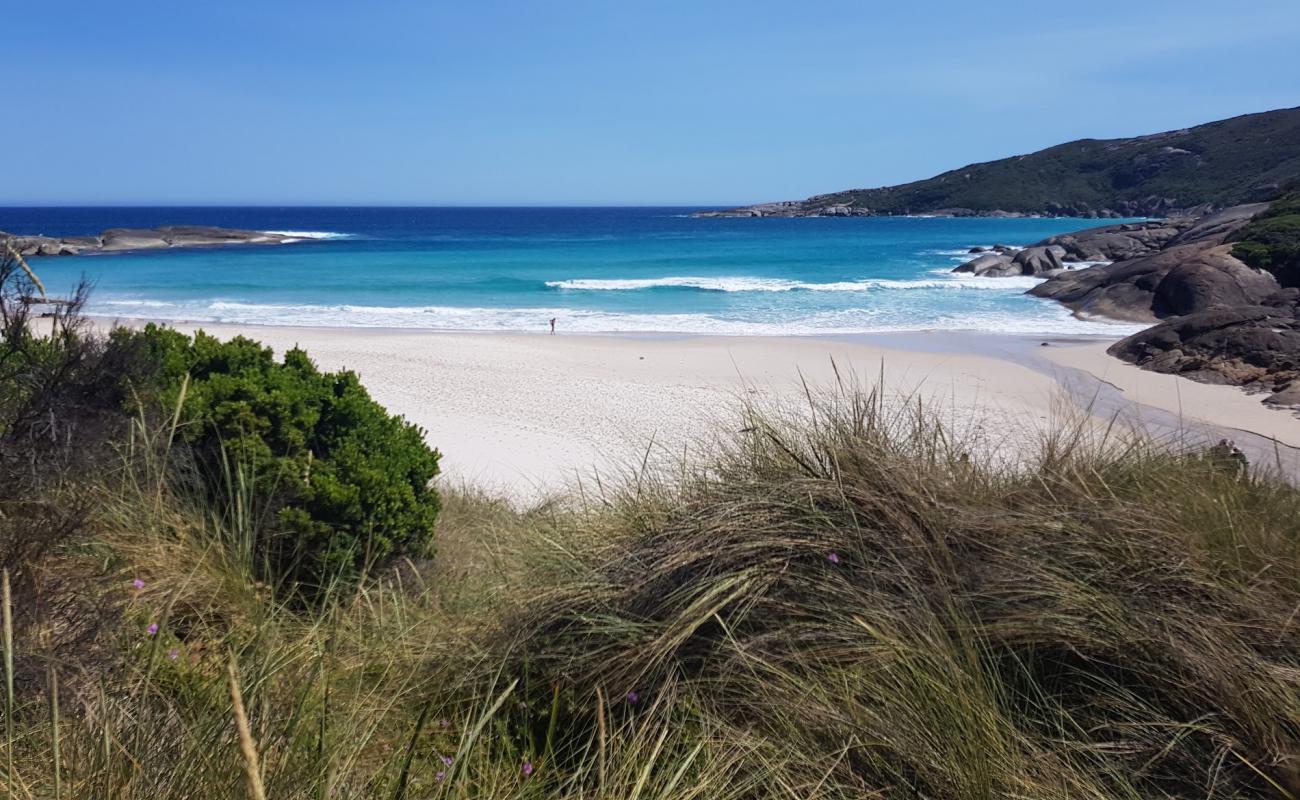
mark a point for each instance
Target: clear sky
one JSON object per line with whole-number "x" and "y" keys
{"x": 611, "y": 102}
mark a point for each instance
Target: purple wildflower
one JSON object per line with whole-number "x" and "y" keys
{"x": 137, "y": 583}
{"x": 446, "y": 760}
{"x": 528, "y": 768}
{"x": 833, "y": 557}
{"x": 633, "y": 697}
{"x": 173, "y": 654}
{"x": 446, "y": 723}
{"x": 440, "y": 776}
{"x": 152, "y": 629}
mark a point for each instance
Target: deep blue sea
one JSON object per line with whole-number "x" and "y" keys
{"x": 594, "y": 269}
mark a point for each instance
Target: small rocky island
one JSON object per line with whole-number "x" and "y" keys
{"x": 116, "y": 240}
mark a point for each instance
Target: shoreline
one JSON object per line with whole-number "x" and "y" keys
{"x": 530, "y": 414}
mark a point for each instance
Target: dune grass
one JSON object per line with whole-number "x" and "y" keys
{"x": 844, "y": 602}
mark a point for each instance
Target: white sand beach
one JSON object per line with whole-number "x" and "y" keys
{"x": 1227, "y": 407}
{"x": 529, "y": 414}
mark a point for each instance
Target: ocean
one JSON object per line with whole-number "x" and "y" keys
{"x": 592, "y": 269}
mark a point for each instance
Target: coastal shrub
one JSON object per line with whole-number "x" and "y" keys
{"x": 337, "y": 483}
{"x": 1271, "y": 241}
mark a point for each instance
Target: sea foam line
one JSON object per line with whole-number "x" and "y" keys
{"x": 1050, "y": 319}
{"x": 311, "y": 234}
{"x": 753, "y": 284}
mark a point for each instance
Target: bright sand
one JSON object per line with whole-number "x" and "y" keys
{"x": 1226, "y": 407}
{"x": 528, "y": 414}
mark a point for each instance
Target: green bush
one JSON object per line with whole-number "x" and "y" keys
{"x": 1272, "y": 240}
{"x": 344, "y": 483}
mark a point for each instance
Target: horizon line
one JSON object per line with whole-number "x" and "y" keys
{"x": 8, "y": 205}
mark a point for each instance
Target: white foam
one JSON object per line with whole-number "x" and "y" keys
{"x": 752, "y": 284}
{"x": 299, "y": 235}
{"x": 1053, "y": 319}
{"x": 966, "y": 253}
{"x": 136, "y": 303}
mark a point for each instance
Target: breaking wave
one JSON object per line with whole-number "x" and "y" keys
{"x": 748, "y": 284}
{"x": 840, "y": 321}
{"x": 311, "y": 234}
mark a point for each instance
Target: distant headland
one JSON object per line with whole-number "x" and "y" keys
{"x": 1186, "y": 173}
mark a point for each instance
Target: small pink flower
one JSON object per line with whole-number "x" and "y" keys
{"x": 528, "y": 768}
{"x": 445, "y": 723}
{"x": 173, "y": 654}
{"x": 439, "y": 777}
{"x": 633, "y": 697}
{"x": 152, "y": 629}
{"x": 446, "y": 760}
{"x": 138, "y": 584}
{"x": 833, "y": 557}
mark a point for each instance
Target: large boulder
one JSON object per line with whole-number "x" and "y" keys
{"x": 1142, "y": 289}
{"x": 1038, "y": 260}
{"x": 1256, "y": 346}
{"x": 991, "y": 265}
{"x": 1211, "y": 278}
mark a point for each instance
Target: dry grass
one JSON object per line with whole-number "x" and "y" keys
{"x": 843, "y": 604}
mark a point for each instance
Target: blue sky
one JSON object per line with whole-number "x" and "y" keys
{"x": 490, "y": 102}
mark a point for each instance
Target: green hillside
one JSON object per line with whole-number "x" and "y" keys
{"x": 1272, "y": 240}
{"x": 1223, "y": 163}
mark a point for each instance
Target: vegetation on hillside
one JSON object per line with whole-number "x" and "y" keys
{"x": 1224, "y": 163}
{"x": 1271, "y": 241}
{"x": 840, "y": 603}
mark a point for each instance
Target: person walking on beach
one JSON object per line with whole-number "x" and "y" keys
{"x": 552, "y": 326}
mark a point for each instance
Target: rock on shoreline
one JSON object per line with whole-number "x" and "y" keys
{"x": 1216, "y": 319}
{"x": 116, "y": 240}
{"x": 1179, "y": 268}
{"x": 1255, "y": 346}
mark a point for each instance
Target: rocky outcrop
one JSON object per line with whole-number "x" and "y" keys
{"x": 1117, "y": 242}
{"x": 1256, "y": 346}
{"x": 1111, "y": 243}
{"x": 1217, "y": 319}
{"x": 990, "y": 265}
{"x": 1005, "y": 262}
{"x": 1208, "y": 279}
{"x": 791, "y": 208}
{"x": 1192, "y": 270}
{"x": 1219, "y": 226}
{"x": 122, "y": 239}
{"x": 1131, "y": 240}
{"x": 1178, "y": 280}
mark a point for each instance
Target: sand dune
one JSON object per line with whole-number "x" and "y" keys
{"x": 528, "y": 414}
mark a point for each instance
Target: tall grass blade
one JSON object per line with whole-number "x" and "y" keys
{"x": 247, "y": 745}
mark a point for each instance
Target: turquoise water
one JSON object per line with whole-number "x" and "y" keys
{"x": 594, "y": 270}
